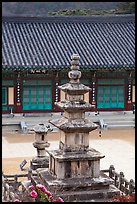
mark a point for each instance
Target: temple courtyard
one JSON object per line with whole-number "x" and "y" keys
{"x": 118, "y": 146}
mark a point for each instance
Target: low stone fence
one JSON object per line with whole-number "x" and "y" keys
{"x": 11, "y": 184}
{"x": 8, "y": 192}
{"x": 127, "y": 187}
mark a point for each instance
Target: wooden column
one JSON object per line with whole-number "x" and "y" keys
{"x": 18, "y": 94}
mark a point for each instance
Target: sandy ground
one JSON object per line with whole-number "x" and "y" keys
{"x": 125, "y": 135}
{"x": 118, "y": 146}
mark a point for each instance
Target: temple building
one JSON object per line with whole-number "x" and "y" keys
{"x": 36, "y": 55}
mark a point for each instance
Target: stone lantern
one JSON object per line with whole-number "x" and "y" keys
{"x": 41, "y": 142}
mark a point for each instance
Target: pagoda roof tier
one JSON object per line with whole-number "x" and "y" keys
{"x": 74, "y": 88}
{"x": 70, "y": 126}
{"x": 78, "y": 106}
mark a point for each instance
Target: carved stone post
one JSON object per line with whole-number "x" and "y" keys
{"x": 121, "y": 180}
{"x": 111, "y": 168}
{"x": 131, "y": 186}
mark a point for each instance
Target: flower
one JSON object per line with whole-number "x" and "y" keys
{"x": 33, "y": 194}
{"x": 59, "y": 199}
{"x": 124, "y": 198}
{"x": 41, "y": 187}
{"x": 48, "y": 193}
{"x": 31, "y": 187}
{"x": 51, "y": 198}
{"x": 17, "y": 200}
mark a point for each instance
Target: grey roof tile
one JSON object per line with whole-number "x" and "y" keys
{"x": 101, "y": 41}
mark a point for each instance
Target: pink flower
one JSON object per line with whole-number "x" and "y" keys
{"x": 31, "y": 187}
{"x": 33, "y": 194}
{"x": 48, "y": 193}
{"x": 60, "y": 199}
{"x": 41, "y": 187}
{"x": 17, "y": 200}
{"x": 50, "y": 197}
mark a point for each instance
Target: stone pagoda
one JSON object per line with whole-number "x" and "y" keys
{"x": 74, "y": 169}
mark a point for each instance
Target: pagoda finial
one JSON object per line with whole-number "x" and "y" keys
{"x": 75, "y": 61}
{"x": 74, "y": 74}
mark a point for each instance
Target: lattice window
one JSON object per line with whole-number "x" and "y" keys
{"x": 4, "y": 96}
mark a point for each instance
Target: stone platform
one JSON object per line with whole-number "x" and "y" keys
{"x": 74, "y": 189}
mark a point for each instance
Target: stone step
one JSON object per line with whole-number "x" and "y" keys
{"x": 111, "y": 126}
{"x": 119, "y": 123}
{"x": 14, "y": 126}
{"x": 94, "y": 195}
{"x": 96, "y": 200}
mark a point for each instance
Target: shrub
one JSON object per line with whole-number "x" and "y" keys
{"x": 124, "y": 198}
{"x": 38, "y": 194}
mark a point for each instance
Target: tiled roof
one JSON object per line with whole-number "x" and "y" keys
{"x": 101, "y": 41}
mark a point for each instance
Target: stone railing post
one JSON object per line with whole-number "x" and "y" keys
{"x": 11, "y": 194}
{"x": 7, "y": 191}
{"x": 15, "y": 182}
{"x": 126, "y": 187}
{"x": 29, "y": 174}
{"x": 131, "y": 186}
{"x": 111, "y": 169}
{"x": 121, "y": 180}
{"x": 116, "y": 182}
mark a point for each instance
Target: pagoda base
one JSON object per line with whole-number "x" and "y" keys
{"x": 75, "y": 164}
{"x": 74, "y": 189}
{"x": 39, "y": 162}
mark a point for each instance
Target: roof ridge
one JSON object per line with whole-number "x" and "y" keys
{"x": 90, "y": 19}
